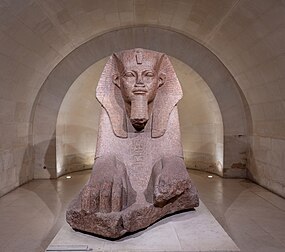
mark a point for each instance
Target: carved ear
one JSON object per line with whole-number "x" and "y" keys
{"x": 120, "y": 68}
{"x": 161, "y": 79}
{"x": 116, "y": 79}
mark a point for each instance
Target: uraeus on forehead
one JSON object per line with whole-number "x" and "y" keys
{"x": 138, "y": 57}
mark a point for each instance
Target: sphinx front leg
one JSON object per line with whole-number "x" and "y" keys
{"x": 108, "y": 189}
{"x": 169, "y": 180}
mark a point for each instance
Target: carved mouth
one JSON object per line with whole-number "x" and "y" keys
{"x": 139, "y": 91}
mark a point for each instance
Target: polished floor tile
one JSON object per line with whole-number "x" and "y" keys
{"x": 254, "y": 218}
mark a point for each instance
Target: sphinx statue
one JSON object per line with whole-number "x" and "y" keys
{"x": 139, "y": 174}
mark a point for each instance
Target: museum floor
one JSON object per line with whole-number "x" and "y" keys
{"x": 31, "y": 215}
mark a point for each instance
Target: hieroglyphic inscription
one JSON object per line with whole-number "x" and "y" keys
{"x": 138, "y": 157}
{"x": 138, "y": 150}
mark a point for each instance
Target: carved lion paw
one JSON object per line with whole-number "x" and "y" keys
{"x": 108, "y": 189}
{"x": 169, "y": 180}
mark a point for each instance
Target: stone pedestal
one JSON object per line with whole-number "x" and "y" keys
{"x": 190, "y": 231}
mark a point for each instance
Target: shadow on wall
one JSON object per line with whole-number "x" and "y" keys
{"x": 26, "y": 173}
{"x": 75, "y": 146}
{"x": 207, "y": 157}
{"x": 45, "y": 165}
{"x": 204, "y": 162}
{"x": 77, "y": 161}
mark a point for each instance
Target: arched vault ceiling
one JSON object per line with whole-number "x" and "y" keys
{"x": 62, "y": 25}
{"x": 246, "y": 35}
{"x": 46, "y": 31}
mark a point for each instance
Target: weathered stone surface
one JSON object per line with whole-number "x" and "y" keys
{"x": 139, "y": 173}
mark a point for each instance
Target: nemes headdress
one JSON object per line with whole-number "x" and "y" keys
{"x": 110, "y": 97}
{"x": 126, "y": 59}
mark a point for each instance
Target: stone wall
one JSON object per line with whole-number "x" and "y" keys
{"x": 77, "y": 123}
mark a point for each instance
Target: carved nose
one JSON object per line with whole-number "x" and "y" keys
{"x": 139, "y": 81}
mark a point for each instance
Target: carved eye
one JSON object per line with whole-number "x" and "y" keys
{"x": 149, "y": 74}
{"x": 129, "y": 74}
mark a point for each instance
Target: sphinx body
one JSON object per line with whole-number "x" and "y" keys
{"x": 139, "y": 174}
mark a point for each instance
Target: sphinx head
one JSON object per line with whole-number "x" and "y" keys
{"x": 138, "y": 76}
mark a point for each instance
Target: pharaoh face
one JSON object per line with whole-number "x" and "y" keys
{"x": 138, "y": 80}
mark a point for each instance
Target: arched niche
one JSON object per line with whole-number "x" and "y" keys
{"x": 231, "y": 101}
{"x": 200, "y": 122}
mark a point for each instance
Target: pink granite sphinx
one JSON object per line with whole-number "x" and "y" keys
{"x": 139, "y": 174}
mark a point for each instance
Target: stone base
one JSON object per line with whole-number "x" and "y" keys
{"x": 189, "y": 231}
{"x": 131, "y": 219}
